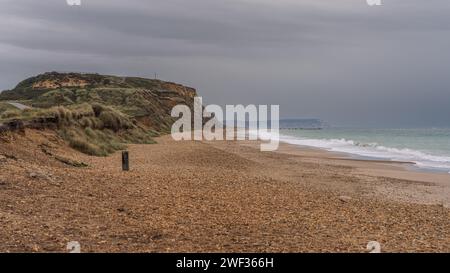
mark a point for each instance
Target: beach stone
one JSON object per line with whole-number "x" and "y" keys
{"x": 374, "y": 247}
{"x": 36, "y": 175}
{"x": 345, "y": 199}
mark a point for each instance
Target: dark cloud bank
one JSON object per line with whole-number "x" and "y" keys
{"x": 339, "y": 60}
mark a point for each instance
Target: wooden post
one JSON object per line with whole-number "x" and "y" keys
{"x": 125, "y": 161}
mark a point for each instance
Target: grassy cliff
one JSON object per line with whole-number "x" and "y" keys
{"x": 96, "y": 114}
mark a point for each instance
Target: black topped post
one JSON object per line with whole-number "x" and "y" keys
{"x": 125, "y": 161}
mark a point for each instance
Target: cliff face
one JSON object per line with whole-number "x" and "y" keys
{"x": 126, "y": 108}
{"x": 144, "y": 99}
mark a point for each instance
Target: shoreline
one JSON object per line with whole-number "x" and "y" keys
{"x": 412, "y": 181}
{"x": 419, "y": 158}
{"x": 404, "y": 165}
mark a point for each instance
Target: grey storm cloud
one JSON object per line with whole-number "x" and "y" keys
{"x": 339, "y": 60}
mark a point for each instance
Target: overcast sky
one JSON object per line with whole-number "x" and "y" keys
{"x": 340, "y": 60}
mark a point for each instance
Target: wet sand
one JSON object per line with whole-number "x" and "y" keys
{"x": 413, "y": 185}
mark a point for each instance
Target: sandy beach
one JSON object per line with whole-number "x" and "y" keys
{"x": 215, "y": 197}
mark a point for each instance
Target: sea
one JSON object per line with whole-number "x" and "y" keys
{"x": 428, "y": 148}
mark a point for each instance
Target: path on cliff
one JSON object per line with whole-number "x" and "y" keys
{"x": 19, "y": 105}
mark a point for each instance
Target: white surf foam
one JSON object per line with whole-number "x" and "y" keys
{"x": 374, "y": 150}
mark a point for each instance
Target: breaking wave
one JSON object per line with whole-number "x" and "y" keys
{"x": 374, "y": 150}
